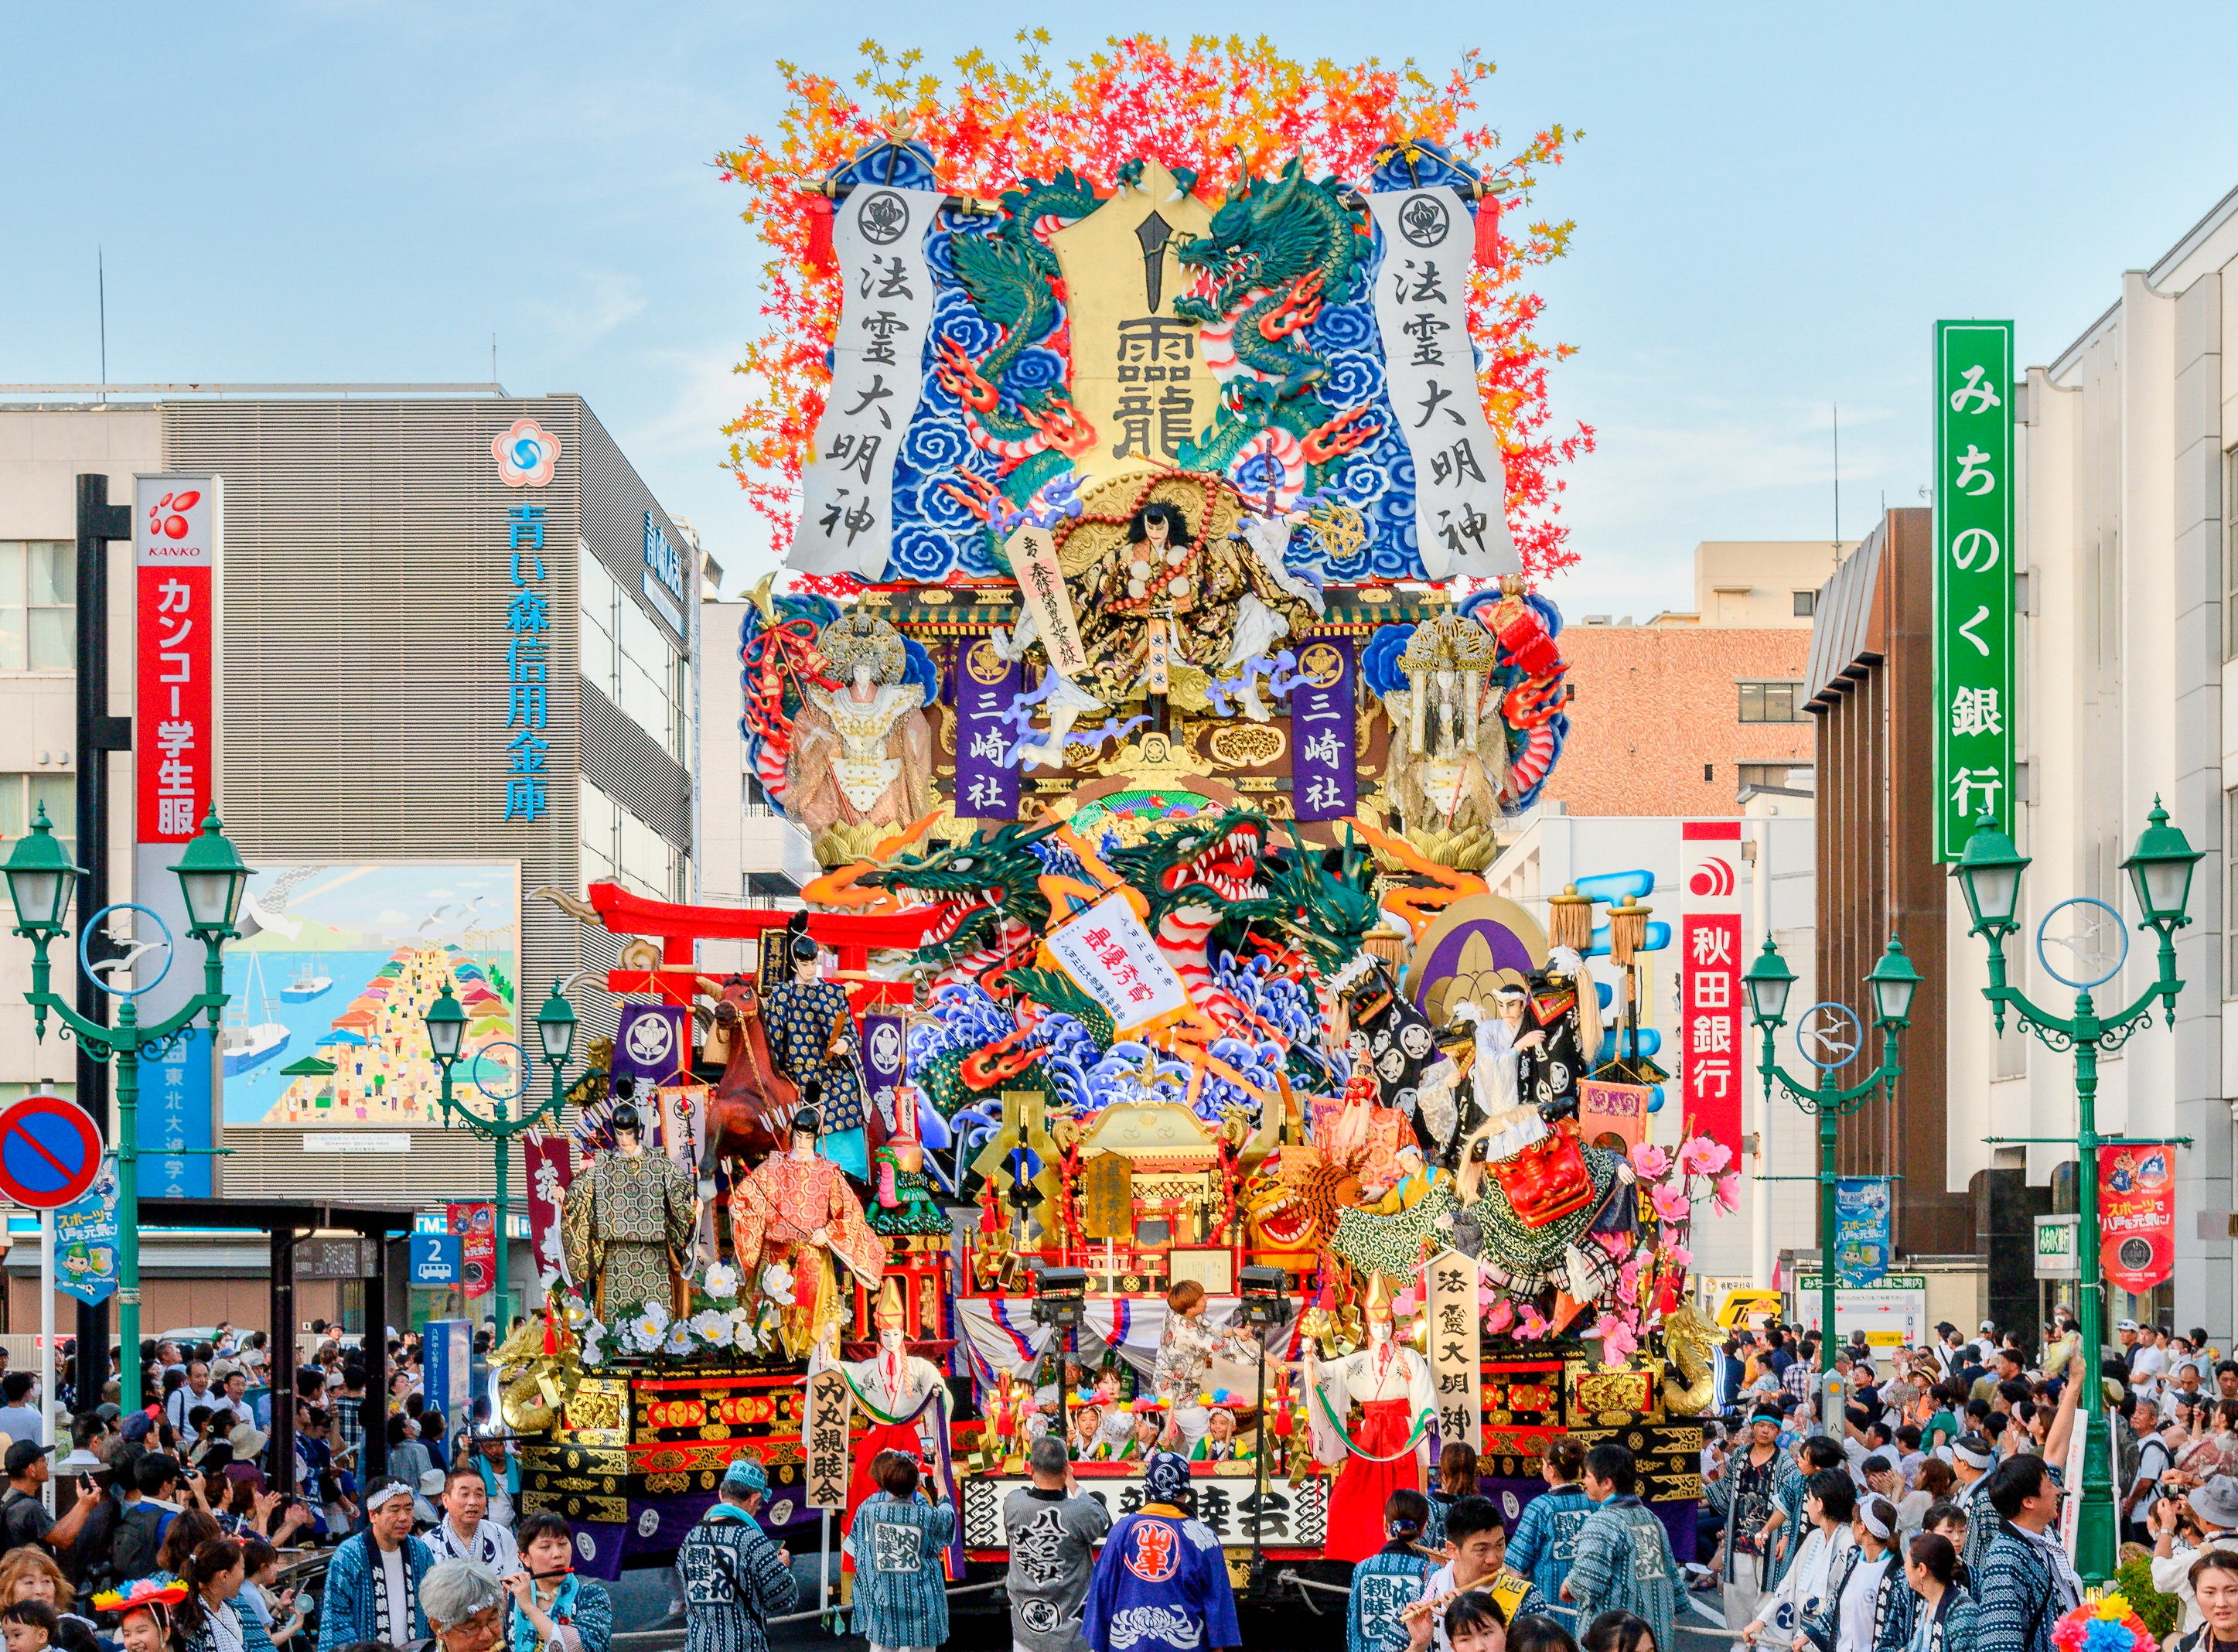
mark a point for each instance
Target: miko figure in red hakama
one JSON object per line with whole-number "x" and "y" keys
{"x": 902, "y": 1396}
{"x": 1391, "y": 1383}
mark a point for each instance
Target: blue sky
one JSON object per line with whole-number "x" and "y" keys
{"x": 1773, "y": 204}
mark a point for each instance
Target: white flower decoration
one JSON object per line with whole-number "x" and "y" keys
{"x": 648, "y": 1327}
{"x": 777, "y": 1285}
{"x": 713, "y": 1328}
{"x": 679, "y": 1338}
{"x": 593, "y": 1356}
{"x": 722, "y": 1279}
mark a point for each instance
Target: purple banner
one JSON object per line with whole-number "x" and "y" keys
{"x": 883, "y": 1061}
{"x": 1323, "y": 786}
{"x": 650, "y": 1047}
{"x": 986, "y": 684}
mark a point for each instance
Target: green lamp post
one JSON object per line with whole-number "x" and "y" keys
{"x": 2160, "y": 868}
{"x": 41, "y": 882}
{"x": 445, "y": 1021}
{"x": 1768, "y": 982}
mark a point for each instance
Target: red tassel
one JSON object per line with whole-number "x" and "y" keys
{"x": 1487, "y": 232}
{"x": 821, "y": 259}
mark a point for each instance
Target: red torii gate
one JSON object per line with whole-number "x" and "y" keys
{"x": 852, "y": 935}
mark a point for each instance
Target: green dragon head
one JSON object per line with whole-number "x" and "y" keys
{"x": 1274, "y": 230}
{"x": 1208, "y": 860}
{"x": 976, "y": 885}
{"x": 1328, "y": 900}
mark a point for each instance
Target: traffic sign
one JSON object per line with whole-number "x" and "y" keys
{"x": 50, "y": 1151}
{"x": 435, "y": 1259}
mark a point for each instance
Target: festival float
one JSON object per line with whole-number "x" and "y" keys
{"x": 1154, "y": 670}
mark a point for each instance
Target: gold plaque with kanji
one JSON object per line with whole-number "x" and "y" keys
{"x": 1107, "y": 1198}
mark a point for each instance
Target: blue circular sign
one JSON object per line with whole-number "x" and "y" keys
{"x": 104, "y": 973}
{"x": 479, "y": 1064}
{"x": 2092, "y": 942}
{"x": 1829, "y": 1035}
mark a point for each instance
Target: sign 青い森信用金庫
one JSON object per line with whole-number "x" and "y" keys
{"x": 2136, "y": 1214}
{"x": 528, "y": 668}
{"x": 1973, "y": 679}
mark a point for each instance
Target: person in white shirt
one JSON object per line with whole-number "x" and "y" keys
{"x": 195, "y": 1391}
{"x": 2149, "y": 1361}
{"x": 463, "y": 1534}
{"x": 2177, "y": 1542}
{"x": 20, "y": 1417}
{"x": 1829, "y": 1504}
{"x": 1856, "y": 1610}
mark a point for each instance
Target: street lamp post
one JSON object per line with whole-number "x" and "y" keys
{"x": 41, "y": 881}
{"x": 445, "y": 1021}
{"x": 1989, "y": 875}
{"x": 1769, "y": 981}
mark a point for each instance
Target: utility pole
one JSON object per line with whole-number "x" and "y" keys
{"x": 98, "y": 734}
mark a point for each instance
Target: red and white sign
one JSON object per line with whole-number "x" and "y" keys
{"x": 176, "y": 523}
{"x": 476, "y": 1225}
{"x": 2136, "y": 1214}
{"x": 1713, "y": 1034}
{"x": 1108, "y": 953}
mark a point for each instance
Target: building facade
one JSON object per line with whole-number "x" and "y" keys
{"x": 1867, "y": 691}
{"x": 439, "y": 649}
{"x": 1729, "y": 673}
{"x": 2123, "y": 646}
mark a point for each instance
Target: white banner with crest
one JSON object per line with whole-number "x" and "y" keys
{"x": 1421, "y": 309}
{"x": 877, "y": 377}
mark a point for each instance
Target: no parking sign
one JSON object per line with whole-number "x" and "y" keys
{"x": 50, "y": 1151}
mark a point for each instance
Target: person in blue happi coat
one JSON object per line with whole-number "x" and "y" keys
{"x": 1160, "y": 1584}
{"x": 1392, "y": 1578}
{"x": 901, "y": 1594}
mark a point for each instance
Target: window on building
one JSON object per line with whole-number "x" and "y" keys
{"x": 20, "y": 797}
{"x": 627, "y": 658}
{"x": 2230, "y": 894}
{"x": 39, "y": 605}
{"x": 1772, "y": 702}
{"x": 618, "y": 847}
{"x": 1806, "y": 604}
{"x": 2230, "y": 552}
{"x": 1789, "y": 777}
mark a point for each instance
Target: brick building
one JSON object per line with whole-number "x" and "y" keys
{"x": 1682, "y": 714}
{"x": 1677, "y": 720}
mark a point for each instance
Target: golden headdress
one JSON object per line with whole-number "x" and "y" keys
{"x": 863, "y": 639}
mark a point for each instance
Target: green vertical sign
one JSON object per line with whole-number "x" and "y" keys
{"x": 1973, "y": 579}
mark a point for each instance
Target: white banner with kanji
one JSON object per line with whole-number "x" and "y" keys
{"x": 1108, "y": 953}
{"x": 878, "y": 378}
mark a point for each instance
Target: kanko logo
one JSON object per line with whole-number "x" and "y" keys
{"x": 526, "y": 453}
{"x": 166, "y": 517}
